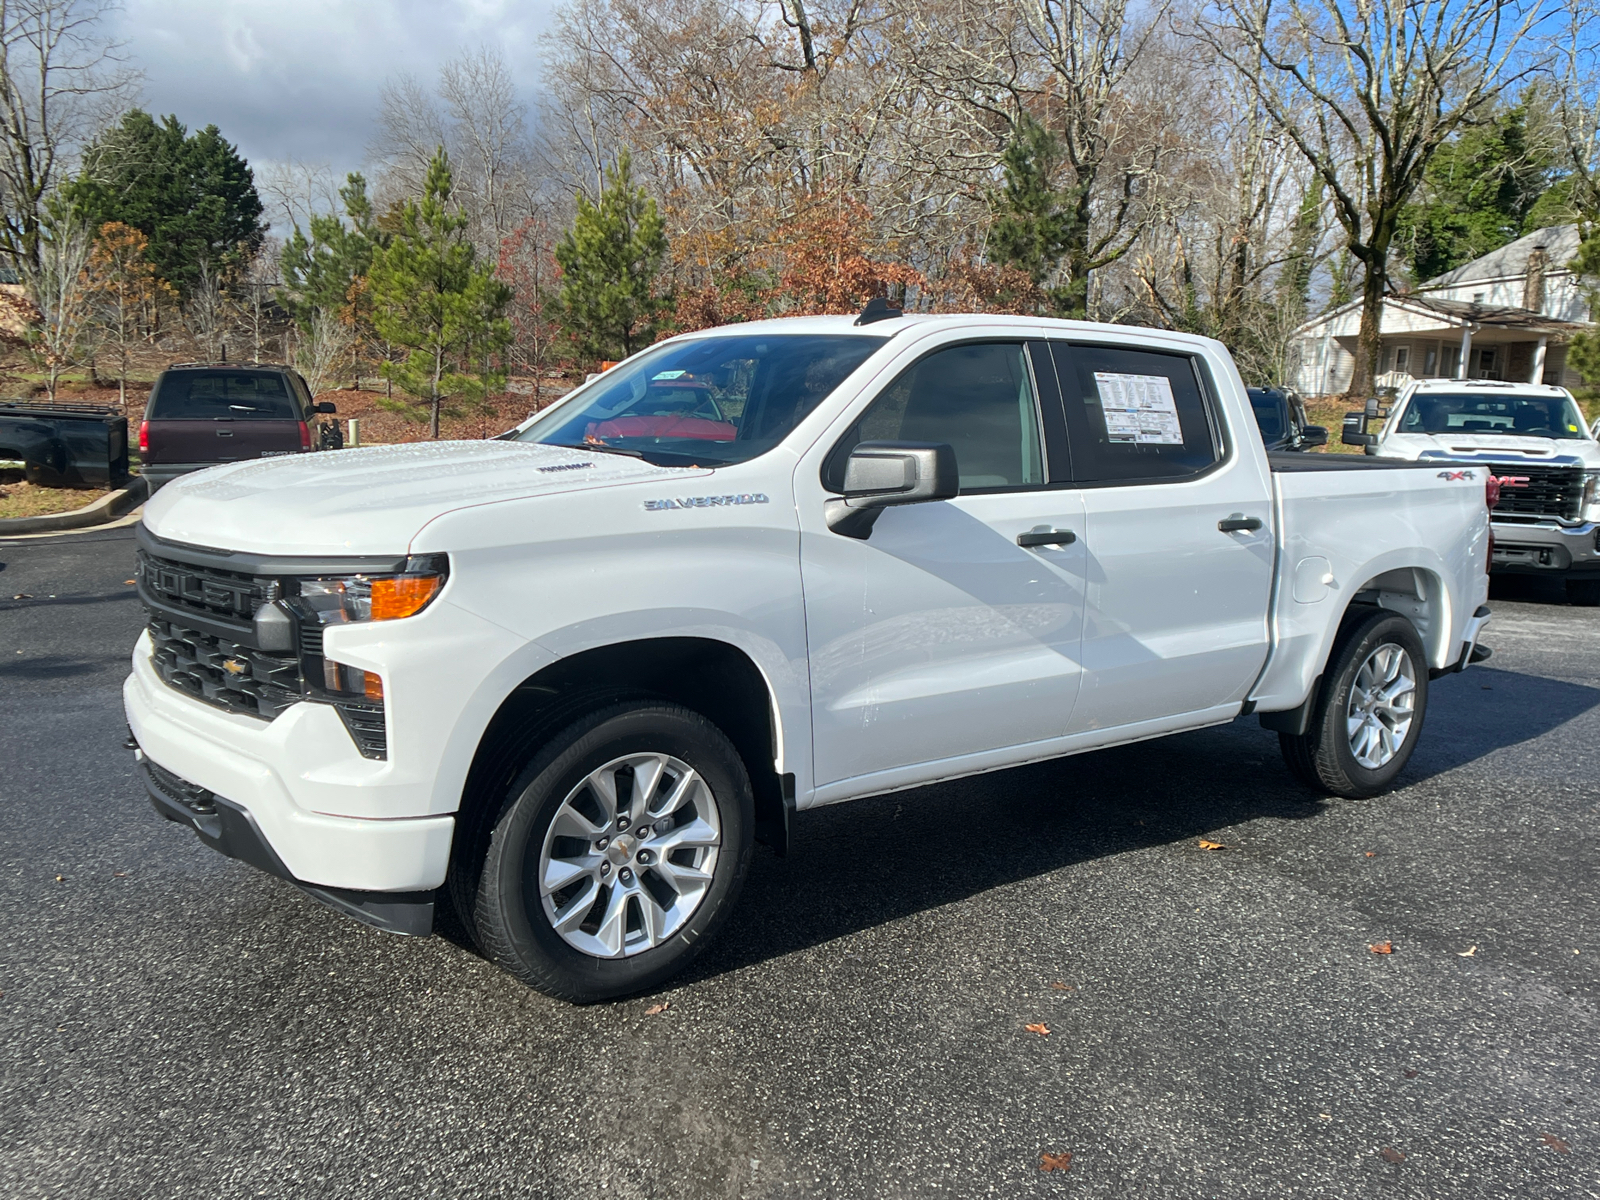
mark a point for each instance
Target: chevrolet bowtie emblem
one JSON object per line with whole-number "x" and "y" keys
{"x": 235, "y": 666}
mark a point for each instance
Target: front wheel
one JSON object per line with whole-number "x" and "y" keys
{"x": 620, "y": 848}
{"x": 1369, "y": 711}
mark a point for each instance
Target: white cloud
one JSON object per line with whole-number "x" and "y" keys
{"x": 299, "y": 79}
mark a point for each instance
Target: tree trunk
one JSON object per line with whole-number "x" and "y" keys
{"x": 1374, "y": 276}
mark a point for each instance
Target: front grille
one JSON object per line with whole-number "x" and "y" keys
{"x": 1548, "y": 492}
{"x": 224, "y": 673}
{"x": 228, "y": 596}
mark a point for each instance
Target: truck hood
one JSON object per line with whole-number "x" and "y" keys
{"x": 374, "y": 499}
{"x": 1492, "y": 447}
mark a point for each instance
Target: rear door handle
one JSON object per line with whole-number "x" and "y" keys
{"x": 1239, "y": 523}
{"x": 1047, "y": 537}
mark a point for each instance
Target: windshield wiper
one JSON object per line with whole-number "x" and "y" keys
{"x": 655, "y": 458}
{"x": 601, "y": 448}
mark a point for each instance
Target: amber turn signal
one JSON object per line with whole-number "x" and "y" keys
{"x": 401, "y": 595}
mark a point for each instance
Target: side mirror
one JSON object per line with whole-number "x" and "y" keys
{"x": 880, "y": 474}
{"x": 1355, "y": 431}
{"x": 327, "y": 406}
{"x": 1313, "y": 435}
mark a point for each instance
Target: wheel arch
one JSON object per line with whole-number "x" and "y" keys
{"x": 714, "y": 678}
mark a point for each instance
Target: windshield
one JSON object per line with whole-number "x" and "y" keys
{"x": 1513, "y": 416}
{"x": 709, "y": 401}
{"x": 206, "y": 395}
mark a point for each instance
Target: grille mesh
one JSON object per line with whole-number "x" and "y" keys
{"x": 224, "y": 673}
{"x": 1548, "y": 492}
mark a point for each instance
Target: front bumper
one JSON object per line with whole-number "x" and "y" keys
{"x": 283, "y": 776}
{"x": 229, "y": 829}
{"x": 1546, "y": 549}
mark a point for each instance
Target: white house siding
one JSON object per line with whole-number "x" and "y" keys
{"x": 1419, "y": 343}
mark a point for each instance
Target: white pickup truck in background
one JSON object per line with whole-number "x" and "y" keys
{"x": 562, "y": 680}
{"x": 1531, "y": 438}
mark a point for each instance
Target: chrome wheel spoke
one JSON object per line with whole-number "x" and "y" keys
{"x": 571, "y": 914}
{"x": 1381, "y": 706}
{"x": 648, "y": 897}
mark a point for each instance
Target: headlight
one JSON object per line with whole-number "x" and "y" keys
{"x": 348, "y": 598}
{"x": 1591, "y": 496}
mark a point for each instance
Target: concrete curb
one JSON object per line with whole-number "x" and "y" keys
{"x": 103, "y": 510}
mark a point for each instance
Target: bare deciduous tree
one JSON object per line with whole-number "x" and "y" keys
{"x": 1367, "y": 93}
{"x": 60, "y": 81}
{"x": 58, "y": 284}
{"x": 324, "y": 350}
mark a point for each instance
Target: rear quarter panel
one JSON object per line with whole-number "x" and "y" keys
{"x": 1343, "y": 529}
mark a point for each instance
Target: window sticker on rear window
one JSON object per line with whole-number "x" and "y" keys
{"x": 1139, "y": 409}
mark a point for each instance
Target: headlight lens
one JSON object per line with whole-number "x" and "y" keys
{"x": 347, "y": 598}
{"x": 1591, "y": 495}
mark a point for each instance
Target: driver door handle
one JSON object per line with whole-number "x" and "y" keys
{"x": 1047, "y": 537}
{"x": 1239, "y": 523}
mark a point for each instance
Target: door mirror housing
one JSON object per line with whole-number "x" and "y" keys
{"x": 1313, "y": 435}
{"x": 327, "y": 406}
{"x": 1355, "y": 431}
{"x": 878, "y": 475}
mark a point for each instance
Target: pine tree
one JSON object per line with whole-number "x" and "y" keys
{"x": 609, "y": 261}
{"x": 192, "y": 195}
{"x": 1033, "y": 221}
{"x": 318, "y": 271}
{"x": 432, "y": 297}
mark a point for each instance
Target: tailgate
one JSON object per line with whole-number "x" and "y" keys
{"x": 221, "y": 440}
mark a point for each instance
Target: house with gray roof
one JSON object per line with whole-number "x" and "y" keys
{"x": 1507, "y": 315}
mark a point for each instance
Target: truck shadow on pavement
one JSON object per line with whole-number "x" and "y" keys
{"x": 863, "y": 864}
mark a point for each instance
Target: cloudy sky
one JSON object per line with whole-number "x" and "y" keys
{"x": 299, "y": 79}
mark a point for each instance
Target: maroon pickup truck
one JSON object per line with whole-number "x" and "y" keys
{"x": 201, "y": 414}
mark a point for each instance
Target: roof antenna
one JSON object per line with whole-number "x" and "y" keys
{"x": 878, "y": 309}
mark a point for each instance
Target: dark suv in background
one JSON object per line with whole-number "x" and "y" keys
{"x": 201, "y": 414}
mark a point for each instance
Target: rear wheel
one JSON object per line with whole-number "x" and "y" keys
{"x": 1369, "y": 712}
{"x": 1585, "y": 593}
{"x": 620, "y": 848}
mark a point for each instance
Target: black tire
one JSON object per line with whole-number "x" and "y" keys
{"x": 1584, "y": 593}
{"x": 510, "y": 922}
{"x": 1322, "y": 757}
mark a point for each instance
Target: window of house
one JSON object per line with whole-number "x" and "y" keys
{"x": 1402, "y": 359}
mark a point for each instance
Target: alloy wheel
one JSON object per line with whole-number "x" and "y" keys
{"x": 1382, "y": 703}
{"x": 629, "y": 855}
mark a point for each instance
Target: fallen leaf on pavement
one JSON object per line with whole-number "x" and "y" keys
{"x": 61, "y": 878}
{"x": 130, "y": 582}
{"x": 1391, "y": 1155}
{"x": 22, "y": 596}
{"x": 1382, "y": 948}
{"x": 1063, "y": 987}
{"x": 1410, "y": 1073}
{"x": 1467, "y": 953}
{"x": 1041, "y": 1029}
{"x": 658, "y": 1009}
{"x": 1555, "y": 1143}
{"x": 1372, "y": 853}
{"x": 1055, "y": 1162}
{"x": 1206, "y": 844}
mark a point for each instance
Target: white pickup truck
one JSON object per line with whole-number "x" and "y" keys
{"x": 1531, "y": 438}
{"x": 562, "y": 680}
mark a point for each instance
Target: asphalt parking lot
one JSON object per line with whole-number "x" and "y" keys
{"x": 173, "y": 1023}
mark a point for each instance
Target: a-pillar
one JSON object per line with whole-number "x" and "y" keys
{"x": 1537, "y": 374}
{"x": 1466, "y": 352}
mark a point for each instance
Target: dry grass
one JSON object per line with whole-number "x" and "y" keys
{"x": 21, "y": 499}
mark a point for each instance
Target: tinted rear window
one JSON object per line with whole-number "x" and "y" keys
{"x": 206, "y": 395}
